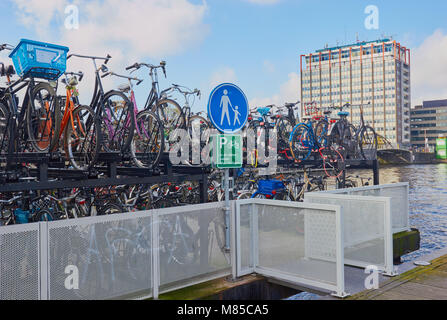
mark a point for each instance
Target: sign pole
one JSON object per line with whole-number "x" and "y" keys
{"x": 228, "y": 112}
{"x": 227, "y": 209}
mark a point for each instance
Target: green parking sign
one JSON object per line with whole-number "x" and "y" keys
{"x": 229, "y": 153}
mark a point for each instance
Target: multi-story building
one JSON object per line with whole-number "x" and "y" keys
{"x": 428, "y": 121}
{"x": 373, "y": 74}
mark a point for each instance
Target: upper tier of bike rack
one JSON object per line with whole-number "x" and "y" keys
{"x": 48, "y": 172}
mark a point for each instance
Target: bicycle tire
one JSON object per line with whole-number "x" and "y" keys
{"x": 284, "y": 127}
{"x": 43, "y": 116}
{"x": 117, "y": 135}
{"x": 172, "y": 116}
{"x": 321, "y": 131}
{"x": 204, "y": 136}
{"x": 153, "y": 142}
{"x": 375, "y": 141}
{"x": 84, "y": 124}
{"x": 299, "y": 147}
{"x": 4, "y": 129}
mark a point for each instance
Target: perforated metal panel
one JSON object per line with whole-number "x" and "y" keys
{"x": 191, "y": 245}
{"x": 19, "y": 262}
{"x": 367, "y": 228}
{"x": 294, "y": 242}
{"x": 399, "y": 194}
{"x": 112, "y": 254}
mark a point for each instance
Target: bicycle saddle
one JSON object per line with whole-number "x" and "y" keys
{"x": 327, "y": 112}
{"x": 7, "y": 71}
{"x": 343, "y": 114}
{"x": 124, "y": 88}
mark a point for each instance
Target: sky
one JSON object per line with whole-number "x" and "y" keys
{"x": 254, "y": 44}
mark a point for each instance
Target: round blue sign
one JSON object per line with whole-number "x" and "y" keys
{"x": 228, "y": 108}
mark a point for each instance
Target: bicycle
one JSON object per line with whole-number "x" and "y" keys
{"x": 148, "y": 141}
{"x": 197, "y": 125}
{"x": 114, "y": 113}
{"x": 304, "y": 143}
{"x": 167, "y": 110}
{"x": 80, "y": 142}
{"x": 357, "y": 141}
{"x": 34, "y": 126}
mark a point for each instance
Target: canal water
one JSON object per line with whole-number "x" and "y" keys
{"x": 428, "y": 205}
{"x": 428, "y": 202}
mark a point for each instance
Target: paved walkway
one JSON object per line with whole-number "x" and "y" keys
{"x": 422, "y": 283}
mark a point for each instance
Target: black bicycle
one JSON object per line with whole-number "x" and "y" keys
{"x": 34, "y": 126}
{"x": 169, "y": 111}
{"x": 358, "y": 141}
{"x": 114, "y": 114}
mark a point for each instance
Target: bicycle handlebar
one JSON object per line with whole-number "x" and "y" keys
{"x": 149, "y": 66}
{"x": 6, "y": 46}
{"x": 139, "y": 81}
{"x": 106, "y": 59}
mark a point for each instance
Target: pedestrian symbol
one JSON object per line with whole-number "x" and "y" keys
{"x": 228, "y": 108}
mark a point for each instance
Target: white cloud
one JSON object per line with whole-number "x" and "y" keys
{"x": 128, "y": 30}
{"x": 263, "y": 2}
{"x": 289, "y": 92}
{"x": 222, "y": 75}
{"x": 429, "y": 69}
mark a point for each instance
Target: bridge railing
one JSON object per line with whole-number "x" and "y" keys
{"x": 300, "y": 243}
{"x": 367, "y": 232}
{"x": 399, "y": 194}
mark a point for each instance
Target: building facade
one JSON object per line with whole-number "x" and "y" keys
{"x": 428, "y": 121}
{"x": 373, "y": 74}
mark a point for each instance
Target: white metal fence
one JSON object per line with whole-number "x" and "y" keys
{"x": 399, "y": 194}
{"x": 368, "y": 236}
{"x": 295, "y": 242}
{"x": 143, "y": 254}
{"x": 135, "y": 255}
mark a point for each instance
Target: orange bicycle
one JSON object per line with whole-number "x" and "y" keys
{"x": 79, "y": 129}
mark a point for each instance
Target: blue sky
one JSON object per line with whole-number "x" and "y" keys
{"x": 253, "y": 43}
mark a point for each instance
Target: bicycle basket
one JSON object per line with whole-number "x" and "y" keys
{"x": 268, "y": 186}
{"x": 39, "y": 60}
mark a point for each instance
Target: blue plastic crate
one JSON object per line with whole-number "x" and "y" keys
{"x": 268, "y": 186}
{"x": 39, "y": 60}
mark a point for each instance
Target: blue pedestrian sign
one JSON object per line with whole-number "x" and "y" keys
{"x": 228, "y": 108}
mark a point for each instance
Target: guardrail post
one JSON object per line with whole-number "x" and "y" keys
{"x": 43, "y": 260}
{"x": 155, "y": 255}
{"x": 376, "y": 172}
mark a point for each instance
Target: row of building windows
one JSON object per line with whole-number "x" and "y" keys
{"x": 354, "y": 52}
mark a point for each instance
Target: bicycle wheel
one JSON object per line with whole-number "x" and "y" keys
{"x": 333, "y": 162}
{"x": 117, "y": 123}
{"x": 44, "y": 215}
{"x": 199, "y": 134}
{"x": 321, "y": 131}
{"x": 4, "y": 129}
{"x": 284, "y": 129}
{"x": 171, "y": 114}
{"x": 43, "y": 118}
{"x": 301, "y": 143}
{"x": 148, "y": 140}
{"x": 368, "y": 143}
{"x": 82, "y": 139}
